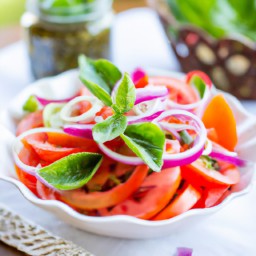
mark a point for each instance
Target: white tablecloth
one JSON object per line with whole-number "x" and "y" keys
{"x": 138, "y": 40}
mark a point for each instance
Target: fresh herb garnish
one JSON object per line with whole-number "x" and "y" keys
{"x": 31, "y": 105}
{"x": 109, "y": 129}
{"x": 72, "y": 171}
{"x": 99, "y": 77}
{"x": 146, "y": 140}
{"x": 125, "y": 96}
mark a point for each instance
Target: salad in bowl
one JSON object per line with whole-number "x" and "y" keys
{"x": 148, "y": 150}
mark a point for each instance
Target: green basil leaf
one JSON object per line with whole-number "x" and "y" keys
{"x": 108, "y": 71}
{"x": 125, "y": 95}
{"x": 71, "y": 172}
{"x": 93, "y": 81}
{"x": 99, "y": 77}
{"x": 199, "y": 84}
{"x": 146, "y": 140}
{"x": 109, "y": 129}
{"x": 31, "y": 105}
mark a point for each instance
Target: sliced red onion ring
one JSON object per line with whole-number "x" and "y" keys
{"x": 45, "y": 102}
{"x": 176, "y": 127}
{"x": 152, "y": 110}
{"x": 150, "y": 93}
{"x": 223, "y": 154}
{"x": 189, "y": 156}
{"x": 138, "y": 74}
{"x": 18, "y": 145}
{"x": 79, "y": 130}
{"x": 88, "y": 116}
{"x": 230, "y": 159}
{"x": 208, "y": 148}
{"x": 182, "y": 251}
{"x": 131, "y": 160}
{"x": 139, "y": 119}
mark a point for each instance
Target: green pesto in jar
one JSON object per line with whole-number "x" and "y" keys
{"x": 56, "y": 36}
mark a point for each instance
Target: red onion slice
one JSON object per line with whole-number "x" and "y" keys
{"x": 45, "y": 102}
{"x": 138, "y": 74}
{"x": 131, "y": 160}
{"x": 88, "y": 116}
{"x": 150, "y": 93}
{"x": 223, "y": 154}
{"x": 18, "y": 145}
{"x": 140, "y": 119}
{"x": 152, "y": 110}
{"x": 189, "y": 156}
{"x": 79, "y": 130}
{"x": 230, "y": 159}
{"x": 182, "y": 251}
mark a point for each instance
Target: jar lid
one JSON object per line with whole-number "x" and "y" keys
{"x": 68, "y": 11}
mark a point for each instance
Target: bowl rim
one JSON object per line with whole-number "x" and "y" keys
{"x": 123, "y": 218}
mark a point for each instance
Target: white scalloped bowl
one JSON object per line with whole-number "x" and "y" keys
{"x": 118, "y": 226}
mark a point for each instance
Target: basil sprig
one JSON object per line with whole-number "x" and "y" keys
{"x": 72, "y": 171}
{"x": 146, "y": 140}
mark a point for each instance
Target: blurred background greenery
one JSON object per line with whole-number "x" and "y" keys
{"x": 11, "y": 11}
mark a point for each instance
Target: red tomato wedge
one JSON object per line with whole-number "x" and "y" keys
{"x": 29, "y": 157}
{"x": 96, "y": 200}
{"x": 105, "y": 112}
{"x": 179, "y": 91}
{"x": 153, "y": 195}
{"x": 218, "y": 115}
{"x": 32, "y": 120}
{"x": 198, "y": 175}
{"x": 210, "y": 197}
{"x": 201, "y": 74}
{"x": 101, "y": 176}
{"x": 185, "y": 200}
{"x": 46, "y": 193}
{"x": 52, "y": 146}
{"x": 141, "y": 83}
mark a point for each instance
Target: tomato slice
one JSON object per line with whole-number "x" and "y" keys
{"x": 95, "y": 200}
{"x": 153, "y": 195}
{"x": 185, "y": 200}
{"x": 52, "y": 146}
{"x": 105, "y": 112}
{"x": 201, "y": 74}
{"x": 179, "y": 91}
{"x": 198, "y": 175}
{"x": 32, "y": 120}
{"x": 211, "y": 197}
{"x": 142, "y": 82}
{"x": 218, "y": 115}
{"x": 101, "y": 176}
{"x": 29, "y": 157}
{"x": 46, "y": 193}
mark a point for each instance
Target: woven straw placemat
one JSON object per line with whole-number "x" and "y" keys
{"x": 33, "y": 239}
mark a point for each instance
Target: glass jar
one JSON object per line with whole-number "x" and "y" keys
{"x": 57, "y": 35}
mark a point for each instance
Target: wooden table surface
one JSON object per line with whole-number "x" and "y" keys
{"x": 14, "y": 33}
